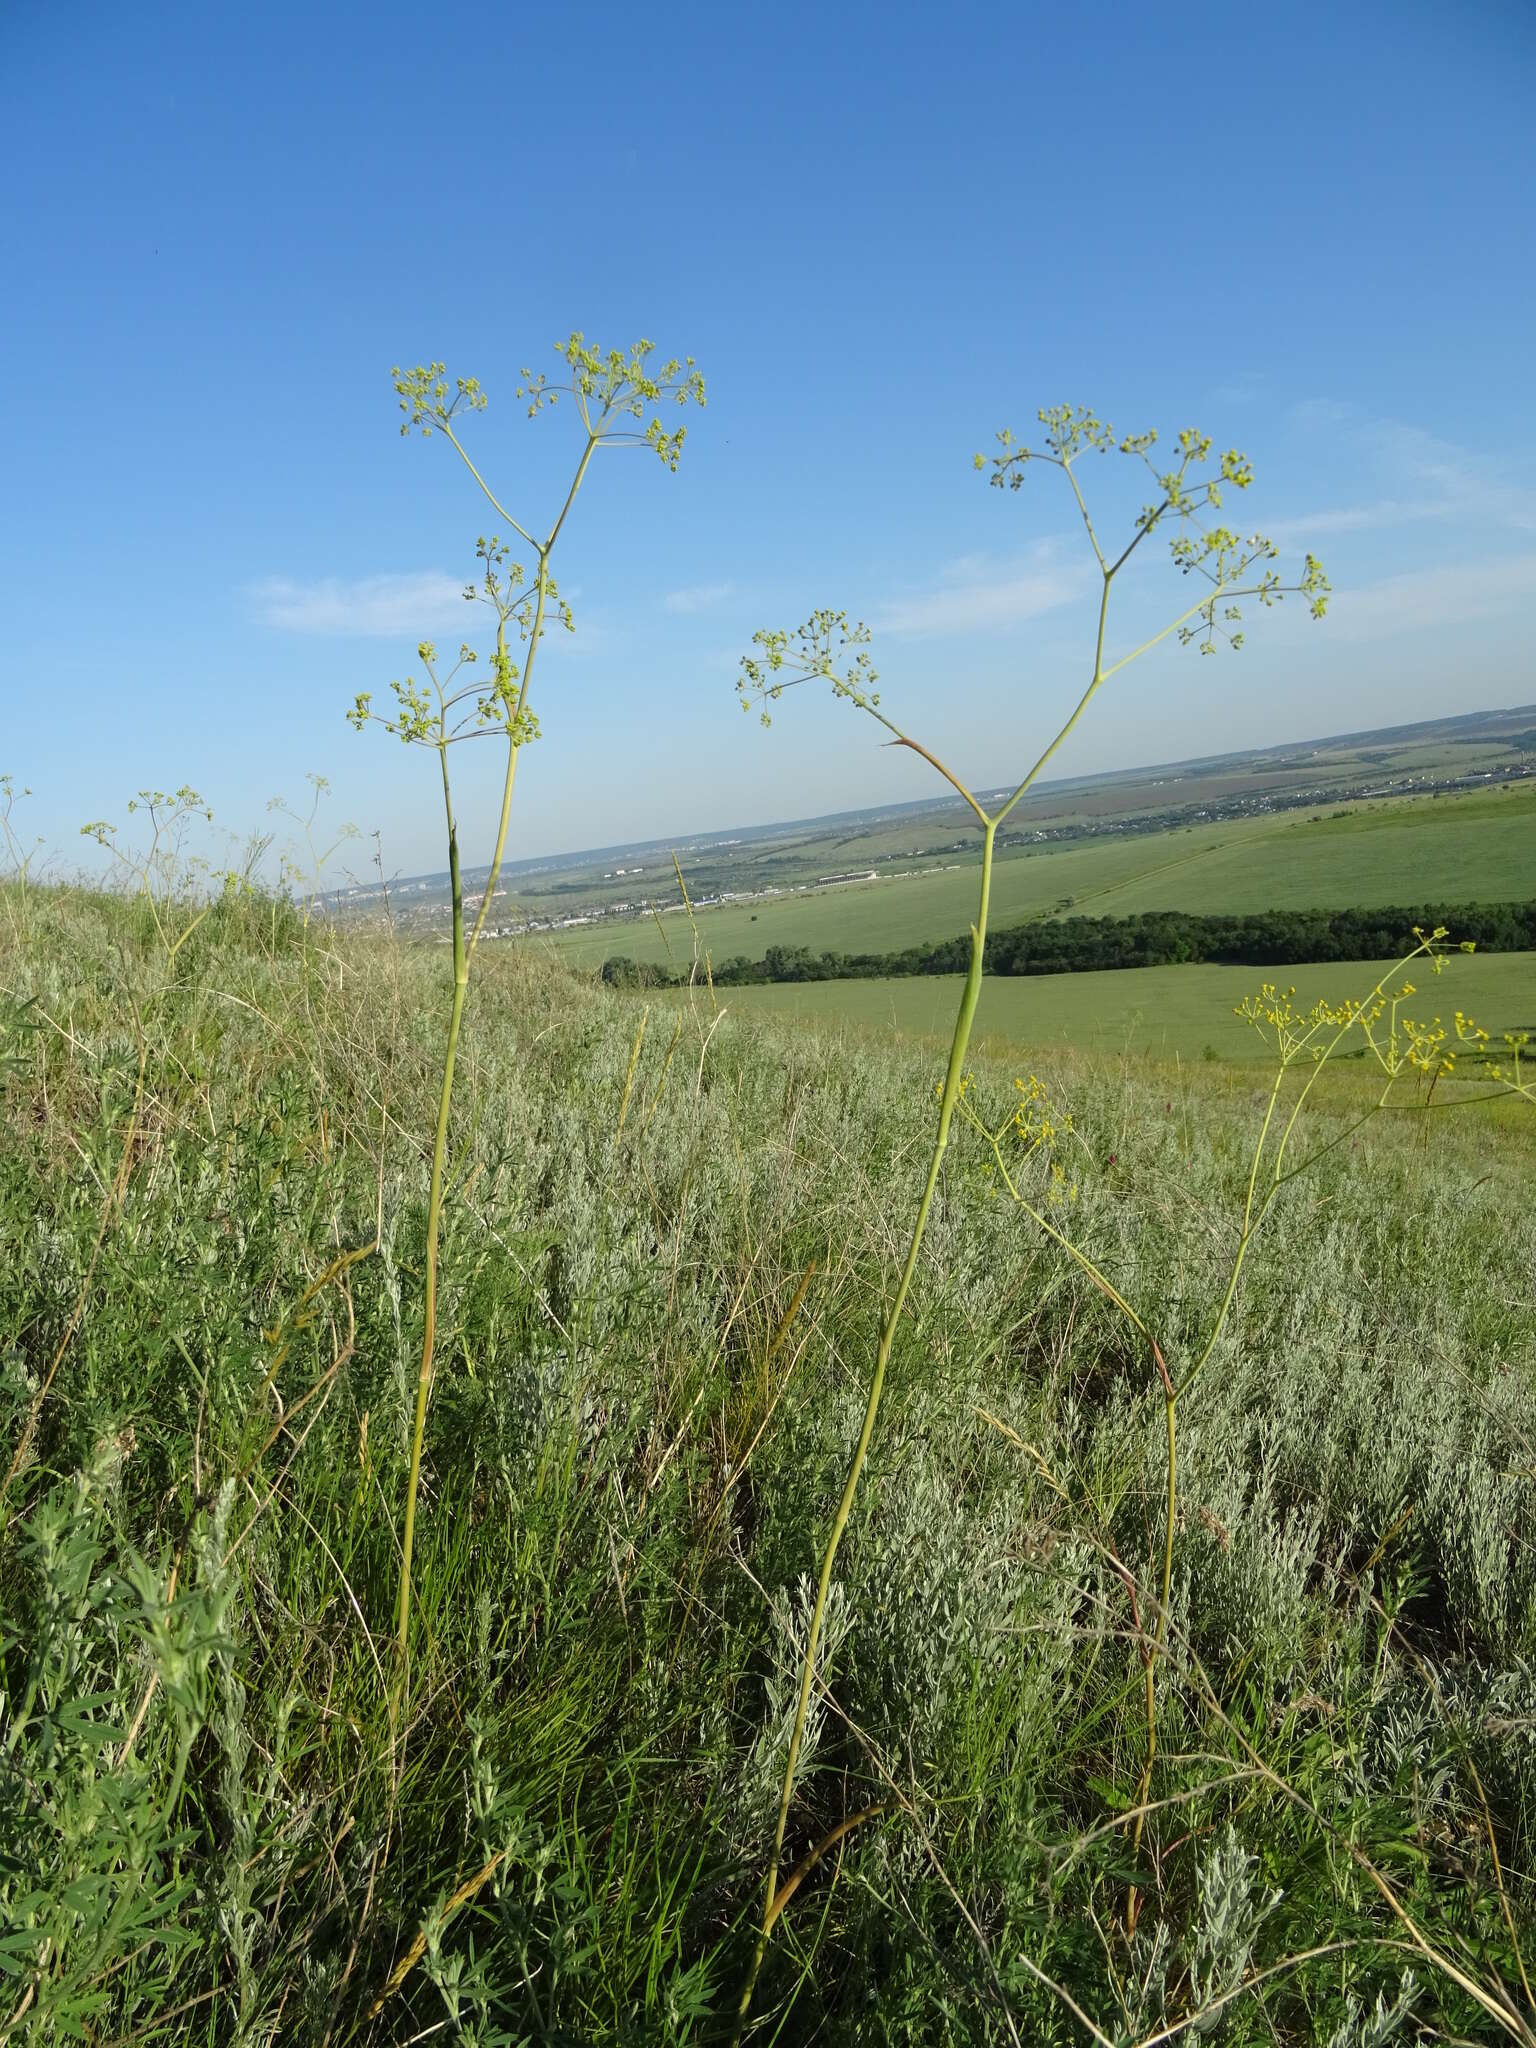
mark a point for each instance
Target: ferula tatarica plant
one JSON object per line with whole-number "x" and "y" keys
{"x": 1227, "y": 571}
{"x": 618, "y": 396}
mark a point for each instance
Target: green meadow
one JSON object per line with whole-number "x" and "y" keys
{"x": 1447, "y": 849}
{"x": 1163, "y": 1011}
{"x": 224, "y": 1821}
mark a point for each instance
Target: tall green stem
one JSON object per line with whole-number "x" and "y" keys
{"x": 949, "y": 1097}
{"x": 536, "y": 634}
{"x": 510, "y": 779}
{"x": 1160, "y": 1630}
{"x": 462, "y": 954}
{"x": 435, "y": 1210}
{"x": 1159, "y": 1640}
{"x": 765, "y": 677}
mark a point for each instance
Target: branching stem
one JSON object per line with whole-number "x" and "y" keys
{"x": 434, "y": 1215}
{"x": 950, "y": 1095}
{"x": 949, "y": 1098}
{"x": 463, "y": 955}
{"x": 1225, "y": 581}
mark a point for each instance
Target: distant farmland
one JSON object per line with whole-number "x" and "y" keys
{"x": 1157, "y": 1010}
{"x": 1480, "y": 847}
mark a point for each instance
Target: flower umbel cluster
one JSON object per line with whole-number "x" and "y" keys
{"x": 1234, "y": 565}
{"x": 827, "y": 648}
{"x": 1396, "y": 1042}
{"x": 1032, "y": 1131}
{"x": 608, "y": 386}
{"x": 437, "y": 714}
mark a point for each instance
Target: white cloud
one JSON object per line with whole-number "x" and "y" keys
{"x": 1434, "y": 597}
{"x": 410, "y": 607}
{"x": 1353, "y": 519}
{"x": 1322, "y": 412}
{"x": 977, "y": 595}
{"x": 373, "y": 607}
{"x": 699, "y": 597}
{"x": 1424, "y": 456}
{"x": 590, "y": 637}
{"x": 1242, "y": 389}
{"x": 1454, "y": 482}
{"x": 1463, "y": 481}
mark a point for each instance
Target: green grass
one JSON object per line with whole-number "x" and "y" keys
{"x": 218, "y": 1822}
{"x": 1452, "y": 849}
{"x": 1159, "y": 1010}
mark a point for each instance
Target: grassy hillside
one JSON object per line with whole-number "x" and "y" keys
{"x": 1161, "y": 1010}
{"x": 1450, "y": 849}
{"x": 224, "y": 1819}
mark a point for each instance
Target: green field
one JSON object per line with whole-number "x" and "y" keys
{"x": 1164, "y": 1010}
{"x": 1451, "y": 849}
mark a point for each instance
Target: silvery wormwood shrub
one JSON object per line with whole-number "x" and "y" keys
{"x": 90, "y": 1778}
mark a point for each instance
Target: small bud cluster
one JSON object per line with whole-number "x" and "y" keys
{"x": 1033, "y": 1132}
{"x": 614, "y": 384}
{"x": 826, "y": 648}
{"x": 1216, "y": 553}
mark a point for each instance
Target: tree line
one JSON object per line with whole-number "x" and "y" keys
{"x": 1151, "y": 938}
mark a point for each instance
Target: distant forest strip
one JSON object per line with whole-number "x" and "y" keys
{"x": 1152, "y": 938}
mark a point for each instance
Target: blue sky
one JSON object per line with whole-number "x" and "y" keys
{"x": 884, "y": 233}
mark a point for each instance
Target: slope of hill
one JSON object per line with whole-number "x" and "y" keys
{"x": 224, "y": 1808}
